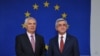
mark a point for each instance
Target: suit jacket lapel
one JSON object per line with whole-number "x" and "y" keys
{"x": 28, "y": 42}
{"x": 57, "y": 44}
{"x": 36, "y": 42}
{"x": 66, "y": 43}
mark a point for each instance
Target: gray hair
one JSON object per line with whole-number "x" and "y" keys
{"x": 60, "y": 19}
{"x": 28, "y": 19}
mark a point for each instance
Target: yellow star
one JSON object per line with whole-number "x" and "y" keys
{"x": 35, "y": 6}
{"x": 64, "y": 15}
{"x": 27, "y": 14}
{"x": 23, "y": 25}
{"x": 56, "y": 7}
{"x": 46, "y": 47}
{"x": 46, "y": 4}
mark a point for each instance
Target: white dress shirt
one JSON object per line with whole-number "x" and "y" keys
{"x": 59, "y": 38}
{"x": 29, "y": 36}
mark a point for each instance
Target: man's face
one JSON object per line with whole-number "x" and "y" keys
{"x": 61, "y": 27}
{"x": 31, "y": 25}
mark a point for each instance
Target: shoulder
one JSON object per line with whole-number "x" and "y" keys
{"x": 53, "y": 39}
{"x": 39, "y": 36}
{"x": 71, "y": 37}
{"x": 21, "y": 35}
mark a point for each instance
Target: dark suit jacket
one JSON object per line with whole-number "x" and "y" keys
{"x": 23, "y": 46}
{"x": 70, "y": 47}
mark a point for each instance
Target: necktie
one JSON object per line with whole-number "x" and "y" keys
{"x": 61, "y": 44}
{"x": 33, "y": 42}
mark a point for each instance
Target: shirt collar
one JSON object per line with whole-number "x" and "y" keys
{"x": 64, "y": 35}
{"x": 29, "y": 34}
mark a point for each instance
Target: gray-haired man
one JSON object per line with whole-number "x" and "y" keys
{"x": 63, "y": 44}
{"x": 30, "y": 43}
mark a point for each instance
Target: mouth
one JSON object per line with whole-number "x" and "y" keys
{"x": 32, "y": 28}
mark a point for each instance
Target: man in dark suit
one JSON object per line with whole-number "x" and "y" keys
{"x": 63, "y": 44}
{"x": 30, "y": 43}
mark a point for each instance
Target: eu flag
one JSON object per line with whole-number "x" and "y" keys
{"x": 14, "y": 12}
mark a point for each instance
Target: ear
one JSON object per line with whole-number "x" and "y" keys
{"x": 67, "y": 26}
{"x": 56, "y": 28}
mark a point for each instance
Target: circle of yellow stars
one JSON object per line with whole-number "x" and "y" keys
{"x": 46, "y": 4}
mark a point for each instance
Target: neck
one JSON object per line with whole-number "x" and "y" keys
{"x": 31, "y": 32}
{"x": 62, "y": 33}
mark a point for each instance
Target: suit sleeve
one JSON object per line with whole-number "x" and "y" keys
{"x": 18, "y": 47}
{"x": 76, "y": 48}
{"x": 50, "y": 49}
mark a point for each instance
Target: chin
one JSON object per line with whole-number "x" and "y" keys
{"x": 63, "y": 32}
{"x": 31, "y": 30}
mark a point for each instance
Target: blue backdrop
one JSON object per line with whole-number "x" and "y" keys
{"x": 12, "y": 16}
